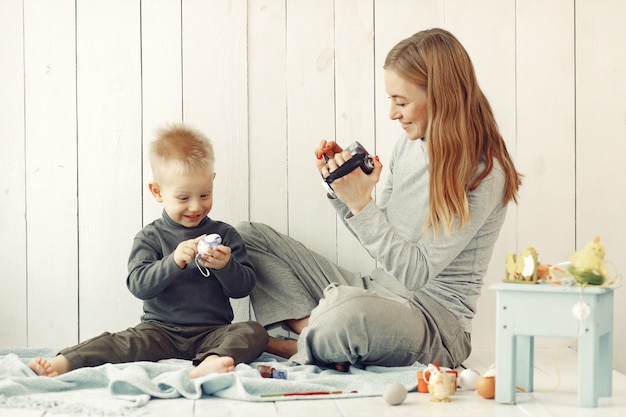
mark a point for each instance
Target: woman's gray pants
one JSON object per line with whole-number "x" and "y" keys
{"x": 352, "y": 318}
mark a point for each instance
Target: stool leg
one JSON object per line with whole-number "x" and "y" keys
{"x": 588, "y": 366}
{"x": 525, "y": 362}
{"x": 605, "y": 369}
{"x": 604, "y": 310}
{"x": 505, "y": 367}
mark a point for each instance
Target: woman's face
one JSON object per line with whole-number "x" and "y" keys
{"x": 408, "y": 104}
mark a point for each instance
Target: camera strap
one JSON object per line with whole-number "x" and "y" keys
{"x": 348, "y": 166}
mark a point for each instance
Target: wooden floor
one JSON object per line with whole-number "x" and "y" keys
{"x": 550, "y": 398}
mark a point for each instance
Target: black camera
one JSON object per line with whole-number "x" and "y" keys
{"x": 360, "y": 158}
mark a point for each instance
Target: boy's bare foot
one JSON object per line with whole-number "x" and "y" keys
{"x": 285, "y": 348}
{"x": 213, "y": 364}
{"x": 54, "y": 367}
{"x": 42, "y": 367}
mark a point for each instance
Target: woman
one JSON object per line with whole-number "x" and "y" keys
{"x": 432, "y": 233}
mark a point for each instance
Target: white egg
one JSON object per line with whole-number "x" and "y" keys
{"x": 395, "y": 394}
{"x": 467, "y": 379}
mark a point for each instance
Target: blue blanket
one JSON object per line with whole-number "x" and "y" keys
{"x": 123, "y": 389}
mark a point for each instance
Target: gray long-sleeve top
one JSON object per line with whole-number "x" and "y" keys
{"x": 449, "y": 268}
{"x": 184, "y": 297}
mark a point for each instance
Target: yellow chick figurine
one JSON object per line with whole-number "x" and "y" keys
{"x": 587, "y": 265}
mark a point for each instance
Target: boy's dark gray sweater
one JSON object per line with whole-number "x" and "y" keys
{"x": 184, "y": 297}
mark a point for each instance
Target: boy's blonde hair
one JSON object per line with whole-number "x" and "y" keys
{"x": 182, "y": 149}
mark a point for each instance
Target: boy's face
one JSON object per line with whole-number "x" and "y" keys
{"x": 187, "y": 199}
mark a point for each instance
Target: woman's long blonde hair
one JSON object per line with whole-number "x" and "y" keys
{"x": 461, "y": 132}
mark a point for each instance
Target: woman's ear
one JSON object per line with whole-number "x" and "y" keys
{"x": 156, "y": 191}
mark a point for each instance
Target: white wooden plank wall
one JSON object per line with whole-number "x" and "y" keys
{"x": 86, "y": 83}
{"x": 50, "y": 145}
{"x": 13, "y": 278}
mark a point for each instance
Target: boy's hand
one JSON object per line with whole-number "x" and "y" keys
{"x": 215, "y": 258}
{"x": 186, "y": 251}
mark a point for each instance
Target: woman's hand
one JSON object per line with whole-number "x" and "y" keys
{"x": 328, "y": 150}
{"x": 354, "y": 189}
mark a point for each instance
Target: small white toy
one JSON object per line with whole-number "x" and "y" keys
{"x": 395, "y": 394}
{"x": 468, "y": 378}
{"x": 211, "y": 241}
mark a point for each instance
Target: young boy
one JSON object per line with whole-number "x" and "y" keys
{"x": 187, "y": 313}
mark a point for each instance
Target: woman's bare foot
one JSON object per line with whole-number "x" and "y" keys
{"x": 297, "y": 325}
{"x": 342, "y": 366}
{"x": 213, "y": 364}
{"x": 42, "y": 367}
{"x": 285, "y": 348}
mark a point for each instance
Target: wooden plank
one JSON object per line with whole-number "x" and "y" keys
{"x": 266, "y": 190}
{"x": 267, "y": 120}
{"x": 487, "y": 31}
{"x": 161, "y": 80}
{"x": 51, "y": 168}
{"x": 545, "y": 151}
{"x": 600, "y": 144}
{"x": 393, "y": 22}
{"x": 109, "y": 155}
{"x": 13, "y": 279}
{"x": 545, "y": 133}
{"x": 215, "y": 101}
{"x": 310, "y": 408}
{"x": 19, "y": 412}
{"x": 375, "y": 406}
{"x": 181, "y": 407}
{"x": 354, "y": 104}
{"x": 310, "y": 118}
{"x": 215, "y": 95}
{"x": 220, "y": 407}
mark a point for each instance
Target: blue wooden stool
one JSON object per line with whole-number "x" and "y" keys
{"x": 528, "y": 310}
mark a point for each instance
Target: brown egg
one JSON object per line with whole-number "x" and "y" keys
{"x": 486, "y": 387}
